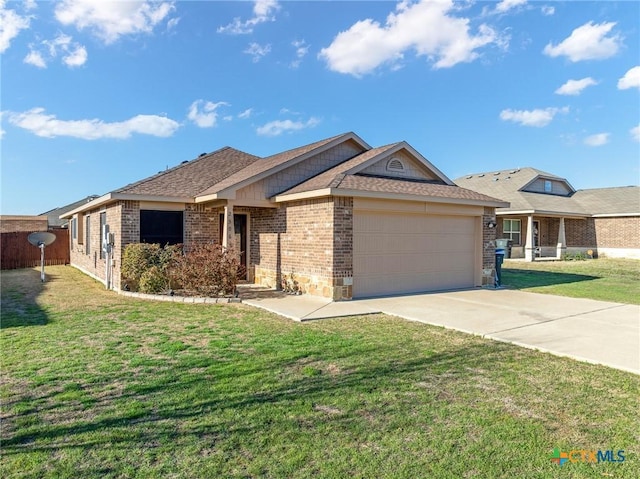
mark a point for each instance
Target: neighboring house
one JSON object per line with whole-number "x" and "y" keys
{"x": 46, "y": 221}
{"x": 54, "y": 216}
{"x": 346, "y": 219}
{"x": 28, "y": 223}
{"x": 547, "y": 217}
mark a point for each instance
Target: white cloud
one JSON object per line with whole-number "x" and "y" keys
{"x": 263, "y": 11}
{"x": 635, "y": 133}
{"x": 425, "y": 27}
{"x": 35, "y": 58}
{"x": 11, "y": 23}
{"x": 548, "y": 10}
{"x": 203, "y": 113}
{"x": 278, "y": 127}
{"x": 42, "y": 124}
{"x": 73, "y": 54}
{"x": 75, "y": 58}
{"x": 588, "y": 42}
{"x": 111, "y": 20}
{"x": 598, "y": 139}
{"x": 575, "y": 87}
{"x": 538, "y": 117}
{"x": 257, "y": 51}
{"x": 631, "y": 79}
{"x": 245, "y": 114}
{"x": 301, "y": 51}
{"x": 506, "y": 5}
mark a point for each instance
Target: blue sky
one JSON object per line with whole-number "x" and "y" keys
{"x": 95, "y": 94}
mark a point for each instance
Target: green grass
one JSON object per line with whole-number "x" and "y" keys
{"x": 95, "y": 385}
{"x": 605, "y": 279}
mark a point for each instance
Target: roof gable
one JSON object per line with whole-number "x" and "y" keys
{"x": 401, "y": 161}
{"x": 274, "y": 164}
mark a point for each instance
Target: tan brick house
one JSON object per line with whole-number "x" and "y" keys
{"x": 346, "y": 219}
{"x": 547, "y": 217}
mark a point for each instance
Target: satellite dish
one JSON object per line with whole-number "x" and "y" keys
{"x": 41, "y": 238}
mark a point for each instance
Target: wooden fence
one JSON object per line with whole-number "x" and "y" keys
{"x": 16, "y": 251}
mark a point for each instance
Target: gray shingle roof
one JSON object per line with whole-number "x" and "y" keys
{"x": 617, "y": 200}
{"x": 191, "y": 178}
{"x": 605, "y": 201}
{"x": 392, "y": 185}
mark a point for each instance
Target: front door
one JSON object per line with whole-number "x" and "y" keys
{"x": 240, "y": 228}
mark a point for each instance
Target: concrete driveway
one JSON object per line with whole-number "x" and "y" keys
{"x": 594, "y": 331}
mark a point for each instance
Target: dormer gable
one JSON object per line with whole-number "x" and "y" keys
{"x": 549, "y": 185}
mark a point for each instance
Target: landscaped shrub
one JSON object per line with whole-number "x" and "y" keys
{"x": 208, "y": 270}
{"x": 139, "y": 258}
{"x": 153, "y": 281}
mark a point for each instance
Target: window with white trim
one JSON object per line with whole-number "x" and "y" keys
{"x": 548, "y": 187}
{"x": 511, "y": 229}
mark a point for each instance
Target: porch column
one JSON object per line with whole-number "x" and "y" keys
{"x": 228, "y": 230}
{"x": 529, "y": 252}
{"x": 561, "y": 249}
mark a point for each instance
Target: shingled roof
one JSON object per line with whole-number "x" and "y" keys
{"x": 191, "y": 178}
{"x": 506, "y": 185}
{"x": 337, "y": 179}
{"x": 264, "y": 165}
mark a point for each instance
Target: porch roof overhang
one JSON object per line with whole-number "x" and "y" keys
{"x": 112, "y": 197}
{"x": 551, "y": 214}
{"x": 324, "y": 192}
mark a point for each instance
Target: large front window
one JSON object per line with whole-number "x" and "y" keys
{"x": 163, "y": 227}
{"x": 511, "y": 229}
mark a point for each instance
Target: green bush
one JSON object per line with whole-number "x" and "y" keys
{"x": 208, "y": 270}
{"x": 153, "y": 281}
{"x": 139, "y": 258}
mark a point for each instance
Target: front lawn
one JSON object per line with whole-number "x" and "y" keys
{"x": 605, "y": 279}
{"x": 95, "y": 385}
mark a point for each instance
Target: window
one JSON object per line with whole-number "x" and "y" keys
{"x": 87, "y": 235}
{"x": 74, "y": 228}
{"x": 547, "y": 186}
{"x": 163, "y": 227}
{"x": 511, "y": 230}
{"x": 103, "y": 222}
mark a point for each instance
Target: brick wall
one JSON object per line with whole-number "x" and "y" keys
{"x": 123, "y": 218}
{"x": 488, "y": 246}
{"x": 621, "y": 232}
{"x": 299, "y": 238}
{"x": 201, "y": 224}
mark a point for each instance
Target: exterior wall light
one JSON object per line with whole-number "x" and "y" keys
{"x": 491, "y": 224}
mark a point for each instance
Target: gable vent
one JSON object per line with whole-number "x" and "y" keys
{"x": 395, "y": 164}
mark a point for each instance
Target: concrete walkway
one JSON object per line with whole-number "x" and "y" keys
{"x": 594, "y": 331}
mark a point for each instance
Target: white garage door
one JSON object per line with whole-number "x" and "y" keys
{"x": 410, "y": 253}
